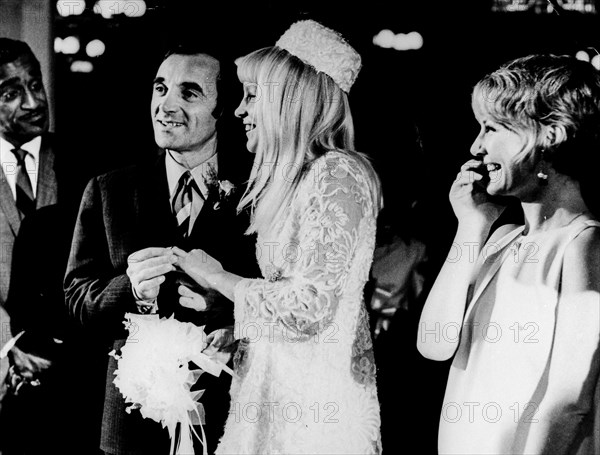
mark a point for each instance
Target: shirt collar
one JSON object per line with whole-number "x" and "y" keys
{"x": 200, "y": 173}
{"x": 32, "y": 147}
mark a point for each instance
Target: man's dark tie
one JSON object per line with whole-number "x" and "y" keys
{"x": 25, "y": 199}
{"x": 182, "y": 202}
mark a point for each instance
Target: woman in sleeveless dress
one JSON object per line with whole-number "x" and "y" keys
{"x": 519, "y": 309}
{"x": 305, "y": 372}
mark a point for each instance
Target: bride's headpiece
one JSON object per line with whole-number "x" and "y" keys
{"x": 324, "y": 49}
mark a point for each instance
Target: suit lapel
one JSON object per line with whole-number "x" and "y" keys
{"x": 202, "y": 220}
{"x": 46, "y": 191}
{"x": 47, "y": 183}
{"x": 210, "y": 224}
{"x": 8, "y": 205}
{"x": 153, "y": 207}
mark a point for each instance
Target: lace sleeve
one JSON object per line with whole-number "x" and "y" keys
{"x": 304, "y": 299}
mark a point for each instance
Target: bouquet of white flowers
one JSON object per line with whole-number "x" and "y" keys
{"x": 153, "y": 374}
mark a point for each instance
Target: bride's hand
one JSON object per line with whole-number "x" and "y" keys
{"x": 191, "y": 299}
{"x": 199, "y": 266}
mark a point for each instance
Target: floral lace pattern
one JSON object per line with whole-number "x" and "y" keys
{"x": 363, "y": 357}
{"x": 308, "y": 353}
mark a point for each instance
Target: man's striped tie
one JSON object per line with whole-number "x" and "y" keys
{"x": 182, "y": 202}
{"x": 24, "y": 192}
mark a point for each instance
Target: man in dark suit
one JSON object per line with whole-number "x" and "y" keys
{"x": 28, "y": 177}
{"x": 120, "y": 258}
{"x": 37, "y": 215}
{"x": 28, "y": 182}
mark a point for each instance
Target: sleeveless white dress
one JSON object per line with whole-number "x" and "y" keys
{"x": 305, "y": 366}
{"x": 496, "y": 389}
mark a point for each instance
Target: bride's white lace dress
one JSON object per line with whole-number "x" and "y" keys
{"x": 306, "y": 372}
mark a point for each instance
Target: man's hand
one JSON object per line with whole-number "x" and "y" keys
{"x": 28, "y": 365}
{"x": 25, "y": 369}
{"x": 147, "y": 270}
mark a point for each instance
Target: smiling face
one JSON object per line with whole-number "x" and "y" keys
{"x": 184, "y": 98}
{"x": 507, "y": 153}
{"x": 246, "y": 111}
{"x": 23, "y": 103}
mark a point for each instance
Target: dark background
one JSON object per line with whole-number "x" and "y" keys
{"x": 412, "y": 108}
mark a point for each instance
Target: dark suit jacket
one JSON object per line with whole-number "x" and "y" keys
{"x": 122, "y": 212}
{"x": 40, "y": 245}
{"x": 38, "y": 248}
{"x": 10, "y": 222}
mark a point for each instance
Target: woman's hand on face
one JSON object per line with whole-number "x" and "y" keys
{"x": 468, "y": 195}
{"x": 199, "y": 266}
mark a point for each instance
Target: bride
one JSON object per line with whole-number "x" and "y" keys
{"x": 305, "y": 368}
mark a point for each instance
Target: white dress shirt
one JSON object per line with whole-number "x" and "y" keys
{"x": 8, "y": 161}
{"x": 201, "y": 175}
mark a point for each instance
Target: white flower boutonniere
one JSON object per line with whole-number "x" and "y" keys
{"x": 226, "y": 189}
{"x": 218, "y": 190}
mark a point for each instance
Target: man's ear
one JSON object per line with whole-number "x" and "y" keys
{"x": 217, "y": 111}
{"x": 219, "y": 107}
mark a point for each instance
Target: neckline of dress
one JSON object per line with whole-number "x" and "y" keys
{"x": 524, "y": 232}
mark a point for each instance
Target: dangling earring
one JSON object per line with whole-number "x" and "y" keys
{"x": 542, "y": 176}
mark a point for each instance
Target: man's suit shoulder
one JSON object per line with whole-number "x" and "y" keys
{"x": 126, "y": 176}
{"x": 50, "y": 138}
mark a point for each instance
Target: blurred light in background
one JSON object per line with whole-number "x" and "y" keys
{"x": 95, "y": 48}
{"x": 385, "y": 38}
{"x": 134, "y": 8}
{"x": 82, "y": 66}
{"x": 69, "y": 45}
{"x": 544, "y": 6}
{"x": 110, "y": 8}
{"x": 58, "y": 43}
{"x": 412, "y": 40}
{"x": 70, "y": 7}
{"x": 512, "y": 5}
{"x": 582, "y": 6}
{"x": 104, "y": 8}
{"x": 582, "y": 55}
{"x": 400, "y": 41}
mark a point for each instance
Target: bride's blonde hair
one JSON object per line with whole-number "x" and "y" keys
{"x": 300, "y": 114}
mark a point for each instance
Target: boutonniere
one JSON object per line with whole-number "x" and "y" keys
{"x": 224, "y": 190}
{"x": 219, "y": 191}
